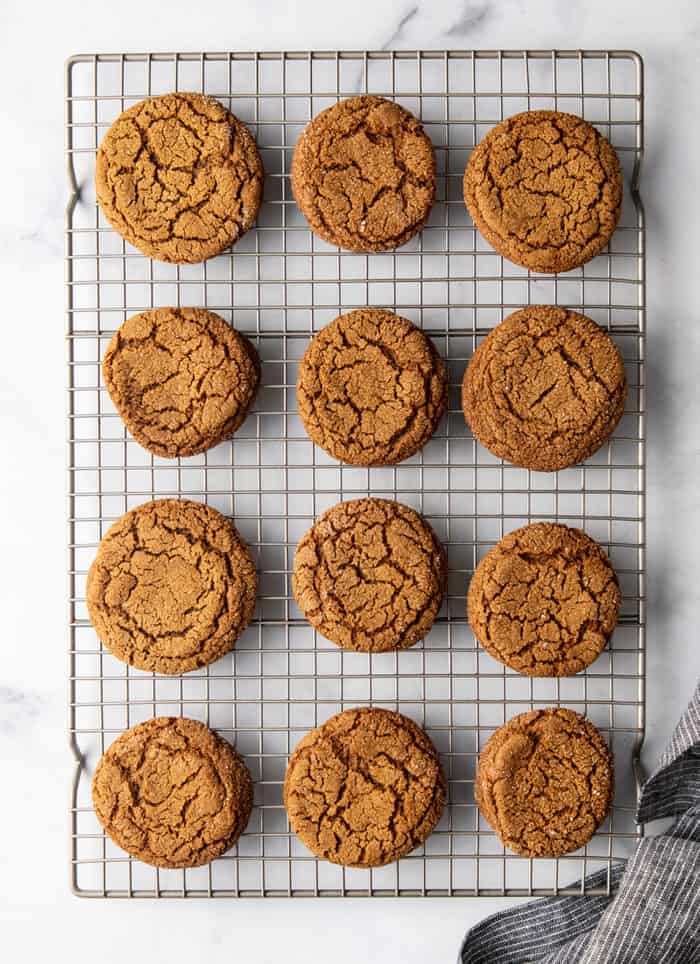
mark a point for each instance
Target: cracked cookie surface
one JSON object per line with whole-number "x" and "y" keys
{"x": 545, "y": 782}
{"x": 179, "y": 177}
{"x": 545, "y": 190}
{"x": 363, "y": 174}
{"x": 182, "y": 379}
{"x": 545, "y": 388}
{"x": 370, "y": 575}
{"x": 172, "y": 586}
{"x": 545, "y": 600}
{"x": 172, "y": 793}
{"x": 365, "y": 788}
{"x": 371, "y": 388}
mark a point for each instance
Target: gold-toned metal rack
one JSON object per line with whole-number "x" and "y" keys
{"x": 280, "y": 284}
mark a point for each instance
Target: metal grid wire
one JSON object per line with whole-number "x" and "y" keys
{"x": 279, "y": 285}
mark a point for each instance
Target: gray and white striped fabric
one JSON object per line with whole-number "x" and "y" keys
{"x": 652, "y": 915}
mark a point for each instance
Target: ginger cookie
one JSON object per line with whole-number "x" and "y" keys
{"x": 179, "y": 177}
{"x": 172, "y": 586}
{"x": 545, "y": 783}
{"x": 545, "y": 600}
{"x": 370, "y": 575}
{"x": 365, "y": 788}
{"x": 371, "y": 388}
{"x": 545, "y": 190}
{"x": 172, "y": 793}
{"x": 182, "y": 379}
{"x": 545, "y": 388}
{"x": 363, "y": 174}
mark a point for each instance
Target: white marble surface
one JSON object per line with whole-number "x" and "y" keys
{"x": 38, "y": 917}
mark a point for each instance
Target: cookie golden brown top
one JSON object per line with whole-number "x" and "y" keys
{"x": 365, "y": 788}
{"x": 545, "y": 190}
{"x": 363, "y": 174}
{"x": 545, "y": 600}
{"x": 371, "y": 388}
{"x": 545, "y": 782}
{"x": 181, "y": 379}
{"x": 179, "y": 177}
{"x": 370, "y": 575}
{"x": 545, "y": 388}
{"x": 171, "y": 793}
{"x": 172, "y": 586}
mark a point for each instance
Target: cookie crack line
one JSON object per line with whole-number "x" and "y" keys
{"x": 371, "y": 388}
{"x": 586, "y": 343}
{"x": 182, "y": 379}
{"x": 133, "y": 219}
{"x": 365, "y": 788}
{"x": 172, "y": 586}
{"x": 370, "y": 575}
{"x": 172, "y": 793}
{"x": 545, "y": 600}
{"x": 548, "y": 201}
{"x": 545, "y": 388}
{"x": 363, "y": 174}
{"x": 179, "y": 177}
{"x": 545, "y": 782}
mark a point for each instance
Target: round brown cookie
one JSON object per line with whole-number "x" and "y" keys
{"x": 370, "y": 575}
{"x": 179, "y": 177}
{"x": 365, "y": 788}
{"x": 544, "y": 782}
{"x": 545, "y": 600}
{"x": 545, "y": 388}
{"x": 371, "y": 388}
{"x": 545, "y": 190}
{"x": 172, "y": 586}
{"x": 182, "y": 379}
{"x": 363, "y": 174}
{"x": 172, "y": 793}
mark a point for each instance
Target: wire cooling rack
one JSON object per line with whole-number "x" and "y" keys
{"x": 279, "y": 285}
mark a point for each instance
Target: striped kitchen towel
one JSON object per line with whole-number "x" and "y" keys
{"x": 652, "y": 915}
